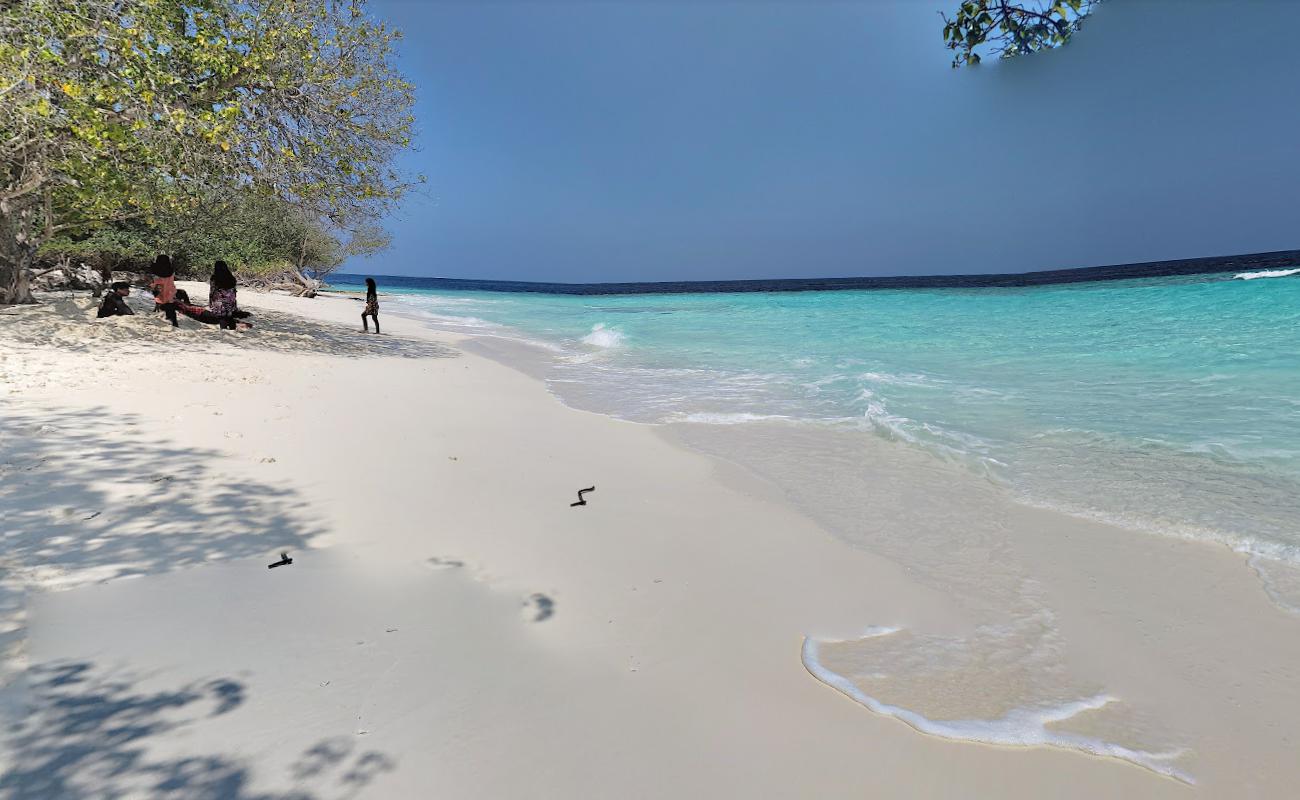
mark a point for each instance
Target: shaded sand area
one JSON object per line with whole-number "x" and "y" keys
{"x": 451, "y": 627}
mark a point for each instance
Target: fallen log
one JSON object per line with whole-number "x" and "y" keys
{"x": 289, "y": 280}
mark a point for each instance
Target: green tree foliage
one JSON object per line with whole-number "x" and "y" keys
{"x": 118, "y": 247}
{"x": 257, "y": 235}
{"x": 263, "y": 238}
{"x": 141, "y": 109}
{"x": 1011, "y": 28}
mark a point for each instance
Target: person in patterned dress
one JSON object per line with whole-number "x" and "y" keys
{"x": 372, "y": 306}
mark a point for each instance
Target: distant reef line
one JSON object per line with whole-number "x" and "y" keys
{"x": 1114, "y": 272}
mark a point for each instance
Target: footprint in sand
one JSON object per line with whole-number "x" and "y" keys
{"x": 538, "y": 608}
{"x": 444, "y": 563}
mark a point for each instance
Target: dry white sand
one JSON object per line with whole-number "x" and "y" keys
{"x": 451, "y": 627}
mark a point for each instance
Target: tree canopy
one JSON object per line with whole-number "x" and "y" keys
{"x": 262, "y": 238}
{"x": 1012, "y": 28}
{"x": 119, "y": 110}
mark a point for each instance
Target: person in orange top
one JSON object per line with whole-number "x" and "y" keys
{"x": 163, "y": 287}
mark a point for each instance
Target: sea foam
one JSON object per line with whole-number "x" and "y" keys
{"x": 1024, "y": 727}
{"x": 1266, "y": 273}
{"x": 723, "y": 418}
{"x": 602, "y": 336}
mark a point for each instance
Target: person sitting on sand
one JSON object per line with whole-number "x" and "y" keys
{"x": 221, "y": 294}
{"x": 372, "y": 306}
{"x": 114, "y": 305}
{"x": 205, "y": 315}
{"x": 163, "y": 287}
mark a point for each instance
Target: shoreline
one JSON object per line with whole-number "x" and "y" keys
{"x": 744, "y": 575}
{"x": 1279, "y": 576}
{"x": 1208, "y": 554}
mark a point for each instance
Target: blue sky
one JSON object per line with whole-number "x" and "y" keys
{"x": 674, "y": 140}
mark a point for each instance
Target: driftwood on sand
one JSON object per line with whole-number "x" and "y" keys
{"x": 289, "y": 280}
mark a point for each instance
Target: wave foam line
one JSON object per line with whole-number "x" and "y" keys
{"x": 468, "y": 325}
{"x": 1021, "y": 727}
{"x": 1265, "y": 273}
{"x": 725, "y": 418}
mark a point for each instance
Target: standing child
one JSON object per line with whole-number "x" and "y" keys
{"x": 163, "y": 287}
{"x": 372, "y": 306}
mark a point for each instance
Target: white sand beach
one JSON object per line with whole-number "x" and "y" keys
{"x": 451, "y": 627}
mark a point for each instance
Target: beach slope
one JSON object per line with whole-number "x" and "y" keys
{"x": 450, "y": 624}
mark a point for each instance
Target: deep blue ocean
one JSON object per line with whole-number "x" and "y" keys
{"x": 1168, "y": 402}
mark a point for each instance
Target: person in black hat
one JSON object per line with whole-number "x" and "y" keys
{"x": 114, "y": 304}
{"x": 163, "y": 287}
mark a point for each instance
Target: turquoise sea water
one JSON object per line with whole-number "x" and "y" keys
{"x": 1168, "y": 404}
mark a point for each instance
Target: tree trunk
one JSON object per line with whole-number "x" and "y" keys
{"x": 16, "y": 259}
{"x": 307, "y": 286}
{"x": 15, "y": 283}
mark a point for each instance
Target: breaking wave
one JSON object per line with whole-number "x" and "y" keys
{"x": 602, "y": 336}
{"x": 1266, "y": 273}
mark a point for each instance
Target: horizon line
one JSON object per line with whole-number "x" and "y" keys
{"x": 1145, "y": 269}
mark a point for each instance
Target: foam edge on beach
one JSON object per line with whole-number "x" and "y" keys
{"x": 1019, "y": 728}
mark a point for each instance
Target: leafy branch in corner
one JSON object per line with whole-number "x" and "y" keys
{"x": 1012, "y": 29}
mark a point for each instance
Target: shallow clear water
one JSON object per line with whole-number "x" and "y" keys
{"x": 1171, "y": 404}
{"x": 1168, "y": 404}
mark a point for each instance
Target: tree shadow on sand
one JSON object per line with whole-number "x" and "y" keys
{"x": 95, "y": 735}
{"x": 88, "y": 497}
{"x": 77, "y": 329}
